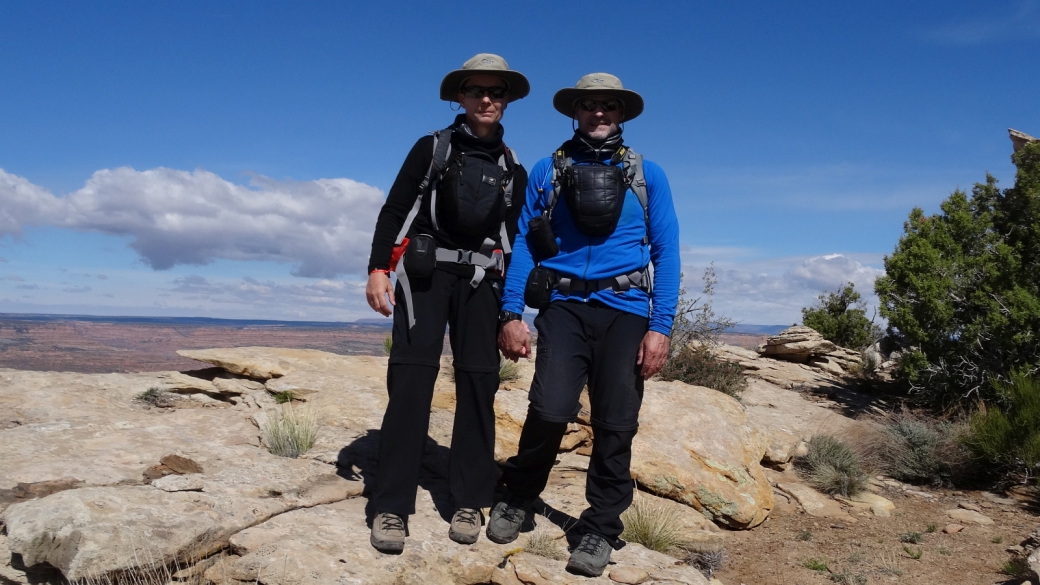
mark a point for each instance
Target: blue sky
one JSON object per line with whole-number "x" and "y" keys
{"x": 227, "y": 159}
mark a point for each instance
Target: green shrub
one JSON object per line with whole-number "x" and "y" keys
{"x": 914, "y": 554}
{"x": 284, "y": 396}
{"x": 291, "y": 432}
{"x": 388, "y": 343}
{"x": 840, "y": 317}
{"x": 816, "y": 565}
{"x": 961, "y": 291}
{"x": 156, "y": 396}
{"x": 1017, "y": 567}
{"x": 1007, "y": 437}
{"x": 651, "y": 525}
{"x": 698, "y": 365}
{"x": 832, "y": 467}
{"x": 911, "y": 538}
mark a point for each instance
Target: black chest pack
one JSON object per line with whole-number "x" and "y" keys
{"x": 471, "y": 195}
{"x": 595, "y": 196}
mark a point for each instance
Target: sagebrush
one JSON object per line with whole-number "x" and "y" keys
{"x": 917, "y": 448}
{"x": 290, "y": 432}
{"x": 831, "y": 467}
{"x": 698, "y": 365}
{"x": 156, "y": 396}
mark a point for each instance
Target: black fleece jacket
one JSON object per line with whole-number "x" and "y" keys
{"x": 406, "y": 188}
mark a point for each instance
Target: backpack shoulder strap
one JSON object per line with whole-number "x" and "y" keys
{"x": 637, "y": 182}
{"x": 560, "y": 165}
{"x": 441, "y": 152}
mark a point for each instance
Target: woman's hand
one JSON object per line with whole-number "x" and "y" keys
{"x": 378, "y": 291}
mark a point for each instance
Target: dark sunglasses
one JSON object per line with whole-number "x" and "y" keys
{"x": 478, "y": 91}
{"x": 591, "y": 105}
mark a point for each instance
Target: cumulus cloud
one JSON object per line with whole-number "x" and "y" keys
{"x": 323, "y": 227}
{"x": 320, "y": 299}
{"x": 773, "y": 292}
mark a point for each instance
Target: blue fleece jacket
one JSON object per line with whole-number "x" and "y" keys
{"x": 593, "y": 258}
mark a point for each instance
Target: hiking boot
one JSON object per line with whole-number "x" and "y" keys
{"x": 591, "y": 556}
{"x": 505, "y": 522}
{"x": 465, "y": 525}
{"x": 388, "y": 532}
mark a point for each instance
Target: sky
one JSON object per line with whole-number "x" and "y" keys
{"x": 228, "y": 159}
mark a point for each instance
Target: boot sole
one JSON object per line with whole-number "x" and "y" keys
{"x": 584, "y": 568}
{"x": 386, "y": 546}
{"x": 463, "y": 538}
{"x": 498, "y": 540}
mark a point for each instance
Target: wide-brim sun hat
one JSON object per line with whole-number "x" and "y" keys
{"x": 485, "y": 64}
{"x": 598, "y": 84}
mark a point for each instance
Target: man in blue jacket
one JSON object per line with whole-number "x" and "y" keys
{"x": 604, "y": 316}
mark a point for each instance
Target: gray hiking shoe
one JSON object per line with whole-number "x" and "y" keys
{"x": 591, "y": 556}
{"x": 388, "y": 532}
{"x": 465, "y": 525}
{"x": 505, "y": 522}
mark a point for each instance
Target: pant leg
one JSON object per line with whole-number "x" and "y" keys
{"x": 474, "y": 328}
{"x": 616, "y": 394}
{"x": 414, "y": 364}
{"x": 561, "y": 367}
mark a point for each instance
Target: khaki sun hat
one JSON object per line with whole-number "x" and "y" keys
{"x": 598, "y": 84}
{"x": 485, "y": 64}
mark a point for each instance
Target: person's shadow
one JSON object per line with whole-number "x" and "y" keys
{"x": 360, "y": 461}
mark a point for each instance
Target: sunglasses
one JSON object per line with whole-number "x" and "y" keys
{"x": 591, "y": 105}
{"x": 478, "y": 91}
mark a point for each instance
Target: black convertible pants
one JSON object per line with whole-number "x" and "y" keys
{"x": 579, "y": 342}
{"x": 472, "y": 314}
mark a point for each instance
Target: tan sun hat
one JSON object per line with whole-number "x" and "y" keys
{"x": 485, "y": 64}
{"x": 598, "y": 84}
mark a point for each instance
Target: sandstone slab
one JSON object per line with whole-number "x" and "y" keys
{"x": 696, "y": 446}
{"x": 814, "y": 503}
{"x": 969, "y": 517}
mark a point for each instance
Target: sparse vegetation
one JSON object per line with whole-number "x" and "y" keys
{"x": 544, "y": 545}
{"x": 816, "y": 565}
{"x": 1016, "y": 567}
{"x": 997, "y": 539}
{"x": 931, "y": 528}
{"x": 507, "y": 370}
{"x": 1007, "y": 436}
{"x": 158, "y": 397}
{"x": 698, "y": 365}
{"x": 388, "y": 343}
{"x": 847, "y": 577}
{"x": 707, "y": 561}
{"x": 832, "y": 467}
{"x": 914, "y": 554}
{"x": 291, "y": 432}
{"x": 695, "y": 319}
{"x": 840, "y": 317}
{"x": 284, "y": 396}
{"x": 805, "y": 535}
{"x": 911, "y": 537}
{"x": 651, "y": 525}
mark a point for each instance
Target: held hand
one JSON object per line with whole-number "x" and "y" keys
{"x": 514, "y": 339}
{"x": 377, "y": 291}
{"x": 652, "y": 353}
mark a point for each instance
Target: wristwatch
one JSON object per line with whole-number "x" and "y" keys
{"x": 507, "y": 316}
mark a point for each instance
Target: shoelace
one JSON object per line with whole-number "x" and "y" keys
{"x": 591, "y": 543}
{"x": 466, "y": 516}
{"x": 392, "y": 522}
{"x": 511, "y": 513}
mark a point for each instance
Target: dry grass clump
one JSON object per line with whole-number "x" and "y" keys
{"x": 651, "y": 525}
{"x": 832, "y": 467}
{"x": 156, "y": 396}
{"x": 544, "y": 545}
{"x": 507, "y": 370}
{"x": 388, "y": 344}
{"x": 291, "y": 432}
{"x": 914, "y": 447}
{"x": 707, "y": 561}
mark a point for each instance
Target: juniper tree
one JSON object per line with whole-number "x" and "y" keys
{"x": 840, "y": 316}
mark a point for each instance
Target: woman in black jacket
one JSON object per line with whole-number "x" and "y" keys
{"x": 452, "y": 213}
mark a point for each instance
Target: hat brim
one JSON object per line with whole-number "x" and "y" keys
{"x": 519, "y": 87}
{"x": 564, "y": 100}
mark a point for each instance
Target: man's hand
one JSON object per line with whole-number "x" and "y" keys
{"x": 514, "y": 339}
{"x": 652, "y": 353}
{"x": 377, "y": 291}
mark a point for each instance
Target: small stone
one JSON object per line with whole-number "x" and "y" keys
{"x": 178, "y": 483}
{"x": 969, "y": 516}
{"x": 628, "y": 575}
{"x": 969, "y": 506}
{"x": 181, "y": 465}
{"x": 838, "y": 526}
{"x": 998, "y": 499}
{"x": 953, "y": 528}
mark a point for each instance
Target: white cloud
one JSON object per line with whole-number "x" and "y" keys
{"x": 1021, "y": 23}
{"x": 76, "y": 289}
{"x": 773, "y": 291}
{"x": 323, "y": 227}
